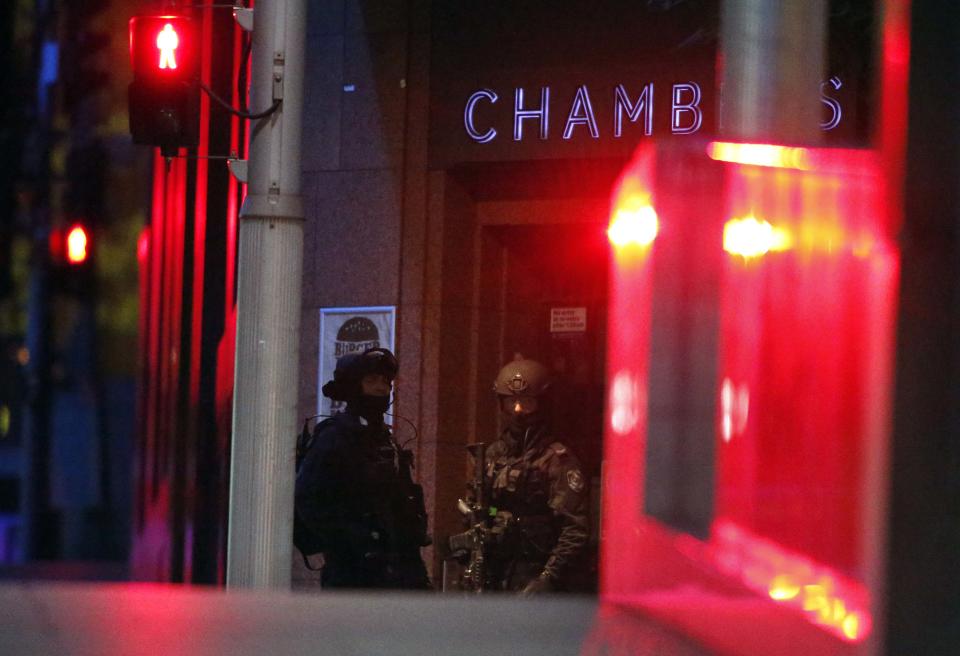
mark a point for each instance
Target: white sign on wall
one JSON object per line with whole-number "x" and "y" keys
{"x": 350, "y": 330}
{"x": 568, "y": 320}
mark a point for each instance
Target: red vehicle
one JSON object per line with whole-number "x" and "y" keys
{"x": 749, "y": 362}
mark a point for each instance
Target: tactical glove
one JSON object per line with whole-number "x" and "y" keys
{"x": 539, "y": 585}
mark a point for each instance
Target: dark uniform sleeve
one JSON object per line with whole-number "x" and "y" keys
{"x": 568, "y": 500}
{"x": 325, "y": 495}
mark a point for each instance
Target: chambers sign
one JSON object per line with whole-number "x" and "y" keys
{"x": 683, "y": 107}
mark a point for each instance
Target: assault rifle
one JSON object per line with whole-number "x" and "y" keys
{"x": 471, "y": 544}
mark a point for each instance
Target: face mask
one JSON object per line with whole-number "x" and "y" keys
{"x": 371, "y": 407}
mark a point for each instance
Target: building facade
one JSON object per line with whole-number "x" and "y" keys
{"x": 458, "y": 161}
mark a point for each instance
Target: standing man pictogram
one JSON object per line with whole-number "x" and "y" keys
{"x": 167, "y": 42}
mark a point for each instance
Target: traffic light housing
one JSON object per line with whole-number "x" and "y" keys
{"x": 164, "y": 96}
{"x": 71, "y": 256}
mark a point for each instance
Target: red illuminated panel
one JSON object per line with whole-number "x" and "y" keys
{"x": 627, "y": 368}
{"x": 164, "y": 49}
{"x": 803, "y": 305}
{"x": 804, "y": 357}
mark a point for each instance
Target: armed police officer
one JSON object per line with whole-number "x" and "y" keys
{"x": 535, "y": 492}
{"x": 355, "y": 499}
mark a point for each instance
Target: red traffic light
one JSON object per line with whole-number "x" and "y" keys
{"x": 71, "y": 246}
{"x": 77, "y": 245}
{"x": 164, "y": 97}
{"x": 167, "y": 43}
{"x": 163, "y": 48}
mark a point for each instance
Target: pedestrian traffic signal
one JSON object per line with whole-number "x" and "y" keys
{"x": 71, "y": 247}
{"x": 165, "y": 93}
{"x": 77, "y": 242}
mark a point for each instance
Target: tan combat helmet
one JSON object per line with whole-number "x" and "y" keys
{"x": 522, "y": 377}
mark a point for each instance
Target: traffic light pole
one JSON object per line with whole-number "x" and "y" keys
{"x": 270, "y": 265}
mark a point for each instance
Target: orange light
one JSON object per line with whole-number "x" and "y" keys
{"x": 783, "y": 588}
{"x": 77, "y": 245}
{"x": 824, "y": 597}
{"x": 751, "y": 237}
{"x": 853, "y": 627}
{"x": 784, "y": 157}
{"x": 167, "y": 42}
{"x": 633, "y": 224}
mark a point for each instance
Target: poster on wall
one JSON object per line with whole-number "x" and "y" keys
{"x": 350, "y": 330}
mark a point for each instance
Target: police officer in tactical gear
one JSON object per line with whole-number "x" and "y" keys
{"x": 537, "y": 486}
{"x": 355, "y": 500}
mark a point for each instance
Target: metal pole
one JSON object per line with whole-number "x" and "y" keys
{"x": 38, "y": 522}
{"x": 260, "y": 536}
{"x": 773, "y": 55}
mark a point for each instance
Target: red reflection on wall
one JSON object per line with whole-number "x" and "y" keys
{"x": 805, "y": 306}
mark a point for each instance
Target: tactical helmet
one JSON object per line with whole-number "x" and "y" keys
{"x": 522, "y": 377}
{"x": 352, "y": 367}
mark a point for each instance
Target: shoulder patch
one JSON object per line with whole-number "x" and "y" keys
{"x": 575, "y": 480}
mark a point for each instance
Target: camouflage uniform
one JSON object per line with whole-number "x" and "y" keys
{"x": 538, "y": 490}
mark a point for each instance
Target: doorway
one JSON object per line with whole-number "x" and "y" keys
{"x": 543, "y": 295}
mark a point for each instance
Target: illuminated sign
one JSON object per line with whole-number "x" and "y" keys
{"x": 686, "y": 113}
{"x": 167, "y": 42}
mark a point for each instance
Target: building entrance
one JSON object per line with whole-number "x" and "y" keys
{"x": 543, "y": 294}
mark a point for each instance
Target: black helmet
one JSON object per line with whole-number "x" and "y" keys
{"x": 351, "y": 368}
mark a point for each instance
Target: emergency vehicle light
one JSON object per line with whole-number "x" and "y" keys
{"x": 785, "y": 157}
{"x": 635, "y": 223}
{"x": 751, "y": 237}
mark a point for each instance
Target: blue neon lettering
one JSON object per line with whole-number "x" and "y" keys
{"x": 832, "y": 103}
{"x": 581, "y": 113}
{"x": 621, "y": 101}
{"x": 520, "y": 114}
{"x": 472, "y": 101}
{"x": 681, "y": 109}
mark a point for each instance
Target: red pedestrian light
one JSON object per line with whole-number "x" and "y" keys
{"x": 165, "y": 93}
{"x": 167, "y": 44}
{"x": 77, "y": 245}
{"x": 163, "y": 49}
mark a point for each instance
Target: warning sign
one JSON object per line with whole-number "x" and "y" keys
{"x": 568, "y": 320}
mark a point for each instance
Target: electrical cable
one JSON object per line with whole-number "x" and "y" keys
{"x": 242, "y": 72}
{"x": 416, "y": 433}
{"x": 227, "y": 106}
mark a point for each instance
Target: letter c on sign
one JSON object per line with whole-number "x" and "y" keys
{"x": 472, "y": 101}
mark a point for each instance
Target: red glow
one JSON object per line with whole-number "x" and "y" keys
{"x": 760, "y": 155}
{"x": 734, "y": 409}
{"x": 627, "y": 402}
{"x": 749, "y": 237}
{"x": 824, "y": 596}
{"x": 634, "y": 223}
{"x": 143, "y": 246}
{"x": 77, "y": 245}
{"x": 167, "y": 42}
{"x": 801, "y": 413}
{"x": 164, "y": 49}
